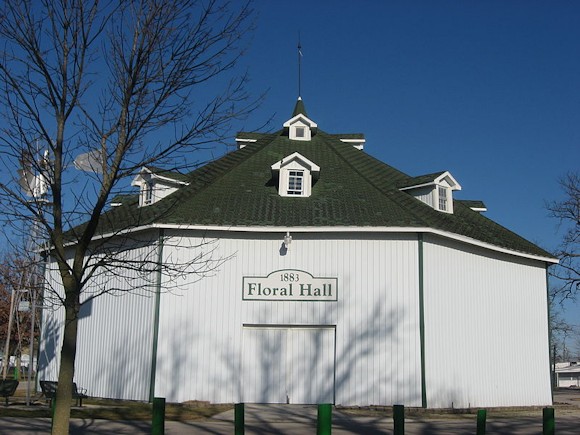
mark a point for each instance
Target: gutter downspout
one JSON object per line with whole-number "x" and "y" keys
{"x": 156, "y": 315}
{"x": 422, "y": 322}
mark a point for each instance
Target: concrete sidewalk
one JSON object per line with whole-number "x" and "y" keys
{"x": 296, "y": 419}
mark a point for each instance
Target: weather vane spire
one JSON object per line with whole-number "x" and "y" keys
{"x": 299, "y": 67}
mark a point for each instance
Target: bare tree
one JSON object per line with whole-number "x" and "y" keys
{"x": 124, "y": 85}
{"x": 17, "y": 289}
{"x": 561, "y": 332}
{"x": 567, "y": 211}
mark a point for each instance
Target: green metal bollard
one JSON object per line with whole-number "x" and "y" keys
{"x": 324, "y": 426}
{"x": 481, "y": 416}
{"x": 239, "y": 424}
{"x": 399, "y": 419}
{"x": 52, "y": 411}
{"x": 158, "y": 421}
{"x": 549, "y": 426}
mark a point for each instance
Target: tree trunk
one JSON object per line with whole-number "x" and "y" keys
{"x": 61, "y": 419}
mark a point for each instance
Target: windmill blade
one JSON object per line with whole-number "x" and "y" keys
{"x": 27, "y": 181}
{"x": 89, "y": 162}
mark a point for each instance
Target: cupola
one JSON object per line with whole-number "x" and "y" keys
{"x": 300, "y": 127}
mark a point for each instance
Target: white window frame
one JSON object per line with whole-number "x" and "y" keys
{"x": 443, "y": 198}
{"x": 148, "y": 193}
{"x": 300, "y": 128}
{"x": 291, "y": 168}
{"x": 295, "y": 182}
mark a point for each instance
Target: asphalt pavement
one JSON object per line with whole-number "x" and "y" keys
{"x": 302, "y": 419}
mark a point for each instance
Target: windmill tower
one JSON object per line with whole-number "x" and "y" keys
{"x": 34, "y": 181}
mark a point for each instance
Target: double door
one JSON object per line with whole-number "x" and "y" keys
{"x": 283, "y": 364}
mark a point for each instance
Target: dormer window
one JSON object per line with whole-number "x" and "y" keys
{"x": 295, "y": 175}
{"x": 435, "y": 190}
{"x": 155, "y": 184}
{"x": 300, "y": 126}
{"x": 147, "y": 192}
{"x": 295, "y": 182}
{"x": 443, "y": 201}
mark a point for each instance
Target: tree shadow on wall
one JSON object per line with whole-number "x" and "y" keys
{"x": 314, "y": 368}
{"x": 48, "y": 352}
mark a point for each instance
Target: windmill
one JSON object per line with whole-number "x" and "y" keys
{"x": 91, "y": 161}
{"x": 34, "y": 181}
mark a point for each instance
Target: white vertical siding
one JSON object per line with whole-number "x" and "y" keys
{"x": 115, "y": 332}
{"x": 376, "y": 316}
{"x": 425, "y": 194}
{"x": 486, "y": 338}
{"x": 51, "y": 330}
{"x": 486, "y": 335}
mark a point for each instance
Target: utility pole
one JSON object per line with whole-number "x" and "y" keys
{"x": 6, "y": 358}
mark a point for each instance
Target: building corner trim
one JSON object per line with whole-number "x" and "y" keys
{"x": 422, "y": 321}
{"x": 158, "y": 281}
{"x": 551, "y": 349}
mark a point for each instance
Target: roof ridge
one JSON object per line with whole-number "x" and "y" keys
{"x": 381, "y": 189}
{"x": 245, "y": 153}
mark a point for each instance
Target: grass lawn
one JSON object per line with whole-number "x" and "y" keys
{"x": 110, "y": 409}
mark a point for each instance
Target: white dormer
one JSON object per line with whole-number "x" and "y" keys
{"x": 156, "y": 184}
{"x": 295, "y": 174}
{"x": 242, "y": 142}
{"x": 244, "y": 138}
{"x": 300, "y": 127}
{"x": 435, "y": 190}
{"x": 358, "y": 143}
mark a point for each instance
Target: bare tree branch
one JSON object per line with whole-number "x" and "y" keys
{"x": 567, "y": 211}
{"x": 135, "y": 83}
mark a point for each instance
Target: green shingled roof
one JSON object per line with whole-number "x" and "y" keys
{"x": 299, "y": 108}
{"x": 473, "y": 203}
{"x": 353, "y": 189}
{"x": 177, "y": 176}
{"x": 420, "y": 180}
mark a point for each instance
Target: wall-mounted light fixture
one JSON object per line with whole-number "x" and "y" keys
{"x": 287, "y": 240}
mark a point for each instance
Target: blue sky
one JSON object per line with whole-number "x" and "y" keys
{"x": 489, "y": 90}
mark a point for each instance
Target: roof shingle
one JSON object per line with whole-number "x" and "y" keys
{"x": 353, "y": 189}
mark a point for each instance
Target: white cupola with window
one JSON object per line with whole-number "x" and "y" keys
{"x": 435, "y": 190}
{"x": 296, "y": 175}
{"x": 300, "y": 127}
{"x": 155, "y": 184}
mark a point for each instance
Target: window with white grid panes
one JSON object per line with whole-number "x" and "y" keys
{"x": 442, "y": 198}
{"x": 295, "y": 182}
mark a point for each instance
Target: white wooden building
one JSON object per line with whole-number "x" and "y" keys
{"x": 316, "y": 274}
{"x": 568, "y": 374}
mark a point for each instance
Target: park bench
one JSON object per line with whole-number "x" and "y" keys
{"x": 49, "y": 390}
{"x": 8, "y": 388}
